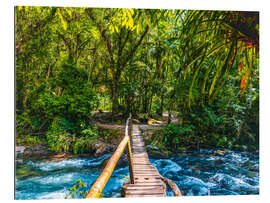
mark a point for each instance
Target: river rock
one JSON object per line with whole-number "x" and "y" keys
{"x": 103, "y": 148}
{"x": 157, "y": 153}
{"x": 37, "y": 151}
{"x": 220, "y": 152}
{"x": 19, "y": 149}
{"x": 20, "y": 161}
{"x": 135, "y": 121}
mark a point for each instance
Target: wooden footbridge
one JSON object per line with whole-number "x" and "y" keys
{"x": 145, "y": 180}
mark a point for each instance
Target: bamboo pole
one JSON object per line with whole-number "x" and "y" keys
{"x": 100, "y": 183}
{"x": 130, "y": 163}
{"x": 129, "y": 152}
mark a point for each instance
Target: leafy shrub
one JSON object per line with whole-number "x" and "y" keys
{"x": 29, "y": 140}
{"x": 205, "y": 119}
{"x": 83, "y": 144}
{"x": 89, "y": 132}
{"x": 72, "y": 98}
{"x": 33, "y": 140}
{"x": 222, "y": 142}
{"x": 25, "y": 124}
{"x": 22, "y": 122}
{"x": 174, "y": 129}
{"x": 110, "y": 135}
{"x": 175, "y": 134}
{"x": 79, "y": 190}
{"x": 58, "y": 138}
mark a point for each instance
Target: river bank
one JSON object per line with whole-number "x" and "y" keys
{"x": 99, "y": 148}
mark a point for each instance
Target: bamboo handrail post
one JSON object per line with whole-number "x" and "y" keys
{"x": 130, "y": 163}
{"x": 129, "y": 152}
{"x": 100, "y": 183}
{"x": 130, "y": 128}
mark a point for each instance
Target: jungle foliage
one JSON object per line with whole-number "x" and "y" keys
{"x": 204, "y": 65}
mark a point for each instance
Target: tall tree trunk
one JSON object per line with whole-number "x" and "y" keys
{"x": 160, "y": 110}
{"x": 150, "y": 105}
{"x": 170, "y": 112}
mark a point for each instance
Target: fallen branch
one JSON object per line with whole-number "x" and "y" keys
{"x": 172, "y": 185}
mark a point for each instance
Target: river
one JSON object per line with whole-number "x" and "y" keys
{"x": 198, "y": 173}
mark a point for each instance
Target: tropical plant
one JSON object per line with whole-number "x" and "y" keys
{"x": 79, "y": 190}
{"x": 204, "y": 65}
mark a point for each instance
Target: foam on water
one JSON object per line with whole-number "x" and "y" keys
{"x": 53, "y": 195}
{"x": 68, "y": 163}
{"x": 196, "y": 174}
{"x": 55, "y": 179}
{"x": 190, "y": 181}
{"x": 237, "y": 157}
{"x": 166, "y": 164}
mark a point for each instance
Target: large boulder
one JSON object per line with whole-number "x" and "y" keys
{"x": 37, "y": 151}
{"x": 101, "y": 148}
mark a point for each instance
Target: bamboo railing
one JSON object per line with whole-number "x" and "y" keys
{"x": 100, "y": 183}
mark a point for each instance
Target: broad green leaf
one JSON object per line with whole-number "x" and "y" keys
{"x": 116, "y": 29}
{"x": 19, "y": 8}
{"x": 63, "y": 22}
{"x": 131, "y": 11}
{"x": 69, "y": 12}
{"x": 38, "y": 9}
{"x": 111, "y": 27}
{"x": 191, "y": 86}
{"x": 94, "y": 31}
{"x": 138, "y": 29}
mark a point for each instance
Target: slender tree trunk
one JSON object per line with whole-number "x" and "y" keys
{"x": 150, "y": 105}
{"x": 170, "y": 113}
{"x": 48, "y": 73}
{"x": 160, "y": 110}
{"x": 145, "y": 103}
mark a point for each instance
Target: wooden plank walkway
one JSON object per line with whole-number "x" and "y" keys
{"x": 147, "y": 180}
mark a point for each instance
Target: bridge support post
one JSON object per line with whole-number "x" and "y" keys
{"x": 129, "y": 154}
{"x": 130, "y": 163}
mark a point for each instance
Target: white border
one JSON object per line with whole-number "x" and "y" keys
{"x": 7, "y": 84}
{"x": 169, "y": 4}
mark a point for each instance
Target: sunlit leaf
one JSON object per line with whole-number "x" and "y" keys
{"x": 138, "y": 29}
{"x": 243, "y": 82}
{"x": 116, "y": 29}
{"x": 63, "y": 22}
{"x": 240, "y": 67}
{"x": 38, "y": 9}
{"x": 132, "y": 11}
{"x": 111, "y": 27}
{"x": 69, "y": 12}
{"x": 191, "y": 86}
{"x": 95, "y": 33}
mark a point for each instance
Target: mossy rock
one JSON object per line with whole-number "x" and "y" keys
{"x": 135, "y": 121}
{"x": 24, "y": 172}
{"x": 220, "y": 152}
{"x": 152, "y": 121}
{"x": 157, "y": 153}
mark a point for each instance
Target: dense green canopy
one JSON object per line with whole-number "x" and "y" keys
{"x": 204, "y": 65}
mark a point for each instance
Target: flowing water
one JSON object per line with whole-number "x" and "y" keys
{"x": 199, "y": 173}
